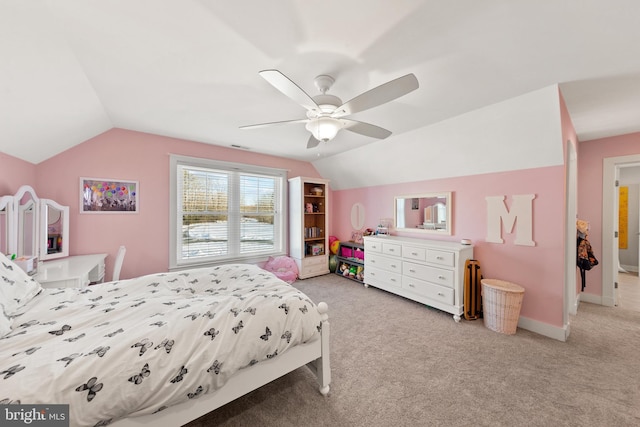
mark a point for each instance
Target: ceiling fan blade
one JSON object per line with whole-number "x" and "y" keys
{"x": 289, "y": 88}
{"x": 378, "y": 95}
{"x": 312, "y": 143}
{"x": 366, "y": 129}
{"x": 285, "y": 122}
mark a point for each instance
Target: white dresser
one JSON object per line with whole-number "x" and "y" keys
{"x": 428, "y": 271}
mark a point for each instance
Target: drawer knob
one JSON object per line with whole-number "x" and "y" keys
{"x": 414, "y": 253}
{"x": 440, "y": 294}
{"x": 441, "y": 277}
{"x": 412, "y": 270}
{"x": 394, "y": 266}
{"x": 411, "y": 285}
{"x": 392, "y": 250}
{"x": 439, "y": 257}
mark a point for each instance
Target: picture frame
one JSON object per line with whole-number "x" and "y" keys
{"x": 111, "y": 196}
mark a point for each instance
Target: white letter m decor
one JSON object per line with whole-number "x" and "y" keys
{"x": 521, "y": 214}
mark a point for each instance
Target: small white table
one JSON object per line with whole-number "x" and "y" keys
{"x": 71, "y": 272}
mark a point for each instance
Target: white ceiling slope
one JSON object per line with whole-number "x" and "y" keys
{"x": 71, "y": 69}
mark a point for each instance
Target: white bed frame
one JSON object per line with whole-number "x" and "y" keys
{"x": 314, "y": 354}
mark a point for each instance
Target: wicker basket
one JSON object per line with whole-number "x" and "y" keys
{"x": 501, "y": 302}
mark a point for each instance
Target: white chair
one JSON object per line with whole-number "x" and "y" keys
{"x": 117, "y": 266}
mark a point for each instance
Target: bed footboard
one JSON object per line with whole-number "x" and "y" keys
{"x": 321, "y": 366}
{"x": 315, "y": 355}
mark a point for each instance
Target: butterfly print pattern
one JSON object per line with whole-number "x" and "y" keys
{"x": 181, "y": 373}
{"x": 100, "y": 351}
{"x": 167, "y": 344}
{"x": 11, "y": 371}
{"x": 212, "y": 333}
{"x": 69, "y": 359}
{"x": 237, "y": 328}
{"x": 65, "y": 328}
{"x": 266, "y": 335}
{"x": 144, "y": 345}
{"x": 196, "y": 393}
{"x": 137, "y": 378}
{"x": 163, "y": 321}
{"x": 93, "y": 386}
{"x": 216, "y": 367}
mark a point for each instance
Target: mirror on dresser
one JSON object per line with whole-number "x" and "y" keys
{"x": 424, "y": 213}
{"x": 6, "y": 221}
{"x": 54, "y": 226}
{"x": 31, "y": 227}
{"x": 26, "y": 208}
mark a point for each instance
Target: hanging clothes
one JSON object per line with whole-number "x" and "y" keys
{"x": 585, "y": 258}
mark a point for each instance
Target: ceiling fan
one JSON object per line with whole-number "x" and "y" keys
{"x": 326, "y": 113}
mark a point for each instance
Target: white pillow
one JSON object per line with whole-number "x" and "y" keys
{"x": 16, "y": 286}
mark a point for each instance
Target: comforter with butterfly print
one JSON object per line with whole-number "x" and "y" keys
{"x": 137, "y": 346}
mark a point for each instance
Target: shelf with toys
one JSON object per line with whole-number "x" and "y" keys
{"x": 350, "y": 261}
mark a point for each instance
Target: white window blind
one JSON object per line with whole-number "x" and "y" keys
{"x": 225, "y": 212}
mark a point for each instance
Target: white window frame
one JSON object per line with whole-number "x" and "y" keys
{"x": 175, "y": 223}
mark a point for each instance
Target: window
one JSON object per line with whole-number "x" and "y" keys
{"x": 225, "y": 212}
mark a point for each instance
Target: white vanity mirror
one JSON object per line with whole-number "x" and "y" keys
{"x": 26, "y": 207}
{"x": 54, "y": 226}
{"x": 6, "y": 221}
{"x": 424, "y": 213}
{"x": 31, "y": 227}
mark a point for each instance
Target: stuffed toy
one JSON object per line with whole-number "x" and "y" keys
{"x": 283, "y": 267}
{"x": 344, "y": 269}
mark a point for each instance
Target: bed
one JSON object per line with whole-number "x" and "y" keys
{"x": 163, "y": 348}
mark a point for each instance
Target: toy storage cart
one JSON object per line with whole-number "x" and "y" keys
{"x": 501, "y": 302}
{"x": 351, "y": 256}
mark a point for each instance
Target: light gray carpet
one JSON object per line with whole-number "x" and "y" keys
{"x": 399, "y": 363}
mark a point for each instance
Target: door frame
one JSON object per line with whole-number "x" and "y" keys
{"x": 610, "y": 166}
{"x": 571, "y": 207}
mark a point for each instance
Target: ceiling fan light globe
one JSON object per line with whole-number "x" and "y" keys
{"x": 324, "y": 128}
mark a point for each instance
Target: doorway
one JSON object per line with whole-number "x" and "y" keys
{"x": 611, "y": 170}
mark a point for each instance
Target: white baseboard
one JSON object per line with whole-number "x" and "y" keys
{"x": 560, "y": 333}
{"x": 591, "y": 298}
{"x": 633, "y": 268}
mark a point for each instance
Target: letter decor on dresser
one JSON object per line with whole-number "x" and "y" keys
{"x": 308, "y": 225}
{"x": 427, "y": 271}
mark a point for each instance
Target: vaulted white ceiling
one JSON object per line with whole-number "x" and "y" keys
{"x": 72, "y": 69}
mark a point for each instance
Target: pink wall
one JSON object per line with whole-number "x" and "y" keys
{"x": 15, "y": 173}
{"x": 128, "y": 155}
{"x": 591, "y": 156}
{"x": 539, "y": 269}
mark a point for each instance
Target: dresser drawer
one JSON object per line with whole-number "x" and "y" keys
{"x": 441, "y": 257}
{"x": 392, "y": 249}
{"x": 429, "y": 290}
{"x": 384, "y": 263}
{"x": 370, "y": 247}
{"x": 435, "y": 275}
{"x": 378, "y": 277}
{"x": 414, "y": 253}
